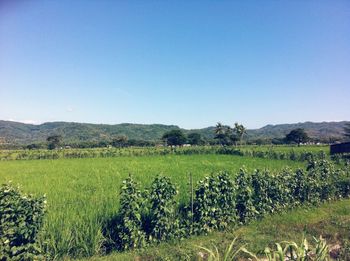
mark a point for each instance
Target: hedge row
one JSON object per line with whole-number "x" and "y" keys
{"x": 220, "y": 200}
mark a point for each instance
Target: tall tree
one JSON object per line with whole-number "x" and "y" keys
{"x": 239, "y": 130}
{"x": 53, "y": 141}
{"x": 195, "y": 138}
{"x": 120, "y": 141}
{"x": 222, "y": 133}
{"x": 298, "y": 136}
{"x": 174, "y": 138}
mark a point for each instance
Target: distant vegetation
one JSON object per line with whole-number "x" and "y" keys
{"x": 297, "y": 136}
{"x": 174, "y": 138}
{"x": 84, "y": 135}
{"x": 225, "y": 135}
{"x": 294, "y": 153}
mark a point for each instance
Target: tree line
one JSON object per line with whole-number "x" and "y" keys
{"x": 223, "y": 135}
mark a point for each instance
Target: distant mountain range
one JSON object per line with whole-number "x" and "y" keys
{"x": 21, "y": 133}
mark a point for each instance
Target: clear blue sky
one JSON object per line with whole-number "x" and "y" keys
{"x": 189, "y": 63}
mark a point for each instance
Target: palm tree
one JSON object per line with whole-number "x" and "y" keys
{"x": 219, "y": 128}
{"x": 221, "y": 133}
{"x": 240, "y": 130}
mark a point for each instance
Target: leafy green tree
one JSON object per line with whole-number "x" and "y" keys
{"x": 298, "y": 136}
{"x": 53, "y": 141}
{"x": 195, "y": 138}
{"x": 174, "y": 138}
{"x": 347, "y": 131}
{"x": 120, "y": 141}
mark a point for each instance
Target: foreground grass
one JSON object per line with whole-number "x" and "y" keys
{"x": 331, "y": 220}
{"x": 83, "y": 193}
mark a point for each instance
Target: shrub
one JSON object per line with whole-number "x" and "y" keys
{"x": 343, "y": 188}
{"x": 21, "y": 218}
{"x": 164, "y": 223}
{"x": 244, "y": 199}
{"x": 214, "y": 206}
{"x": 130, "y": 234}
{"x": 287, "y": 186}
{"x": 260, "y": 184}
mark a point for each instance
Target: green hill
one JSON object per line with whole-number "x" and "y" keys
{"x": 21, "y": 133}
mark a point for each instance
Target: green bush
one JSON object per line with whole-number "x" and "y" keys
{"x": 21, "y": 218}
{"x": 244, "y": 199}
{"x": 214, "y": 205}
{"x": 220, "y": 201}
{"x": 164, "y": 223}
{"x": 261, "y": 200}
{"x": 343, "y": 187}
{"x": 129, "y": 228}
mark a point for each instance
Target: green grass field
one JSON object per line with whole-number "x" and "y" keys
{"x": 83, "y": 193}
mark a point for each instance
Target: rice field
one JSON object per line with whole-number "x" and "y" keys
{"x": 82, "y": 194}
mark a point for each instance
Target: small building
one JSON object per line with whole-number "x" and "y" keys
{"x": 340, "y": 148}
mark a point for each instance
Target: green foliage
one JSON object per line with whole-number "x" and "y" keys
{"x": 302, "y": 252}
{"x": 222, "y": 134}
{"x": 298, "y": 136}
{"x": 229, "y": 136}
{"x": 239, "y": 131}
{"x": 283, "y": 251}
{"x": 164, "y": 222}
{"x": 174, "y": 138}
{"x": 244, "y": 199}
{"x": 120, "y": 141}
{"x": 130, "y": 234}
{"x": 343, "y": 186}
{"x": 231, "y": 252}
{"x": 53, "y": 141}
{"x": 21, "y": 218}
{"x": 195, "y": 138}
{"x": 214, "y": 206}
{"x": 261, "y": 185}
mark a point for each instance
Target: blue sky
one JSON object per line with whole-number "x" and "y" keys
{"x": 189, "y": 63}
